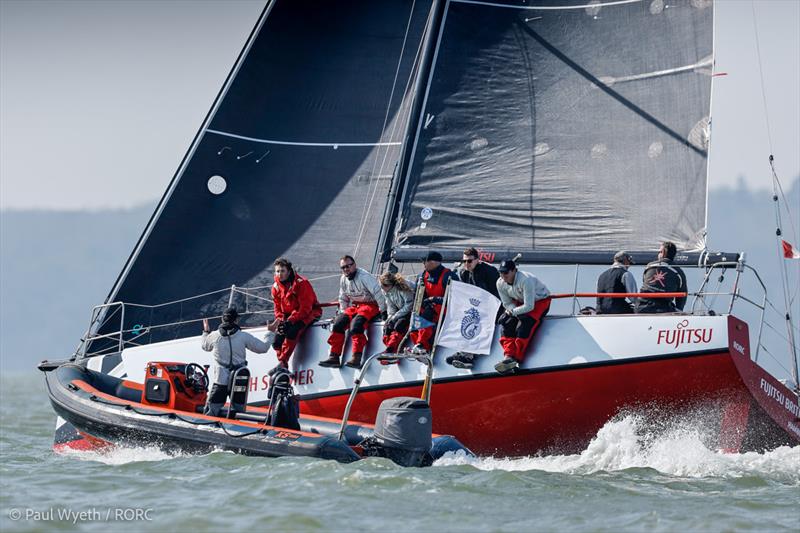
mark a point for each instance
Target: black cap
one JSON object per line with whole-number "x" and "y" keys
{"x": 507, "y": 266}
{"x": 230, "y": 315}
{"x": 433, "y": 256}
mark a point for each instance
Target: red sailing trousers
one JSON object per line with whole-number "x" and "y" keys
{"x": 424, "y": 336}
{"x": 393, "y": 333}
{"x": 518, "y": 330}
{"x": 356, "y": 318}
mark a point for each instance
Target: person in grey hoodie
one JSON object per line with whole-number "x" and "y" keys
{"x": 229, "y": 345}
{"x": 360, "y": 300}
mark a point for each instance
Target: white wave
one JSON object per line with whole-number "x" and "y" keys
{"x": 621, "y": 444}
{"x": 120, "y": 455}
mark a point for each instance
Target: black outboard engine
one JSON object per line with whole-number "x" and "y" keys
{"x": 403, "y": 430}
{"x": 284, "y": 409}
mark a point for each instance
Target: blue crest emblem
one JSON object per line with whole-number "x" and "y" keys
{"x": 471, "y": 324}
{"x": 475, "y": 302}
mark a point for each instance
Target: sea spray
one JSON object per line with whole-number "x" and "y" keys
{"x": 624, "y": 443}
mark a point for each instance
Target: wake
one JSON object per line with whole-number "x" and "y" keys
{"x": 624, "y": 443}
{"x": 120, "y": 455}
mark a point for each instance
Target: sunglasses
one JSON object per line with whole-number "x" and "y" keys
{"x": 345, "y": 267}
{"x": 386, "y": 285}
{"x": 468, "y": 261}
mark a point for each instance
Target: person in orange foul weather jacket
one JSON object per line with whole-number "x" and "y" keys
{"x": 296, "y": 307}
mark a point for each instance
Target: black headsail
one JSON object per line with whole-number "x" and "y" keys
{"x": 295, "y": 158}
{"x": 562, "y": 126}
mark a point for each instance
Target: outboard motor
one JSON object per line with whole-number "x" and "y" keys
{"x": 284, "y": 409}
{"x": 403, "y": 430}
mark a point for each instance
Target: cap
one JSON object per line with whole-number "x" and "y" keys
{"x": 621, "y": 256}
{"x": 230, "y": 315}
{"x": 433, "y": 256}
{"x": 507, "y": 266}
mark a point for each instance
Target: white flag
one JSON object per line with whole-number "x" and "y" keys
{"x": 468, "y": 324}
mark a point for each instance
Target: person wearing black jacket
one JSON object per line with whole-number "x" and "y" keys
{"x": 617, "y": 279}
{"x": 478, "y": 273}
{"x": 483, "y": 275}
{"x": 662, "y": 276}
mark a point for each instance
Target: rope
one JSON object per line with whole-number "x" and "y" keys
{"x": 761, "y": 76}
{"x": 370, "y": 197}
{"x": 776, "y": 186}
{"x": 237, "y": 435}
{"x": 777, "y": 361}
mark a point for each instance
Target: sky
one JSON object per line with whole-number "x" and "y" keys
{"x": 99, "y": 100}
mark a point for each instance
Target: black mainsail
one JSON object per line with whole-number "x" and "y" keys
{"x": 563, "y": 126}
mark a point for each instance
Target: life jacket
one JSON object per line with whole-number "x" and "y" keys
{"x": 435, "y": 282}
{"x": 611, "y": 281}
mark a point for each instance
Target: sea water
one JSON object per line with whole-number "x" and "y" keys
{"x": 623, "y": 481}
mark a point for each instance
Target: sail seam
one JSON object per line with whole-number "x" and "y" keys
{"x": 333, "y": 145}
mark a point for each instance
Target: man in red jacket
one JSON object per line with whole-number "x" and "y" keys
{"x": 296, "y": 307}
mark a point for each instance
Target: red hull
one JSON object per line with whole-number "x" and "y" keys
{"x": 560, "y": 410}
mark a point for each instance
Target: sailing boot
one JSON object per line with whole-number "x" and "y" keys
{"x": 332, "y": 361}
{"x": 463, "y": 360}
{"x": 509, "y": 365}
{"x": 355, "y": 361}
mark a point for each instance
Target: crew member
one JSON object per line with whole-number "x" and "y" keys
{"x": 483, "y": 275}
{"x": 436, "y": 277}
{"x": 526, "y": 301}
{"x": 296, "y": 307}
{"x": 229, "y": 345}
{"x": 360, "y": 300}
{"x": 476, "y": 272}
{"x": 617, "y": 279}
{"x": 399, "y": 294}
{"x": 662, "y": 276}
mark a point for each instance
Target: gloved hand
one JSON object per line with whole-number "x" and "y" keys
{"x": 384, "y": 315}
{"x": 504, "y": 318}
{"x": 282, "y": 328}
